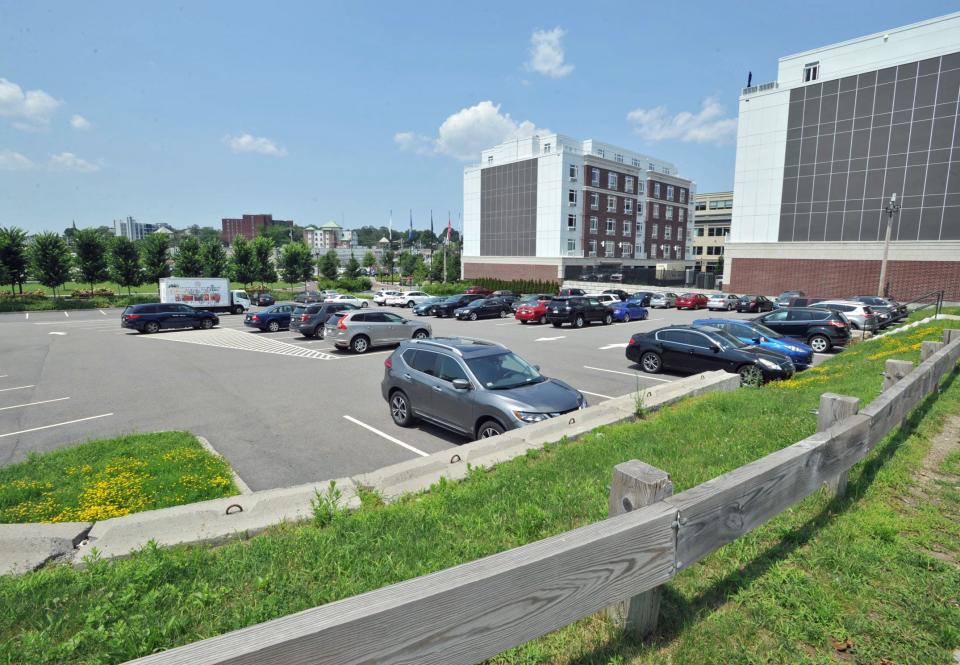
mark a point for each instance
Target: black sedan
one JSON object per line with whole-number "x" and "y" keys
{"x": 620, "y": 293}
{"x": 483, "y": 309}
{"x": 754, "y": 303}
{"x": 155, "y": 317}
{"x": 450, "y": 305}
{"x": 262, "y": 299}
{"x": 690, "y": 350}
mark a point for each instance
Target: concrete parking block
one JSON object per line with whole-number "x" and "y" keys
{"x": 27, "y": 547}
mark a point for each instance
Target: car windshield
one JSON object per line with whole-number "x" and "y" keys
{"x": 453, "y": 299}
{"x": 689, "y": 295}
{"x": 504, "y": 371}
{"x": 530, "y": 300}
{"x": 747, "y": 298}
{"x": 766, "y": 332}
{"x": 727, "y": 340}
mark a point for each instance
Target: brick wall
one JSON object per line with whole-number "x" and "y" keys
{"x": 823, "y": 278}
{"x": 507, "y": 271}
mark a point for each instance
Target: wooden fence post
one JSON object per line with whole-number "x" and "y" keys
{"x": 833, "y": 409}
{"x": 927, "y": 349}
{"x": 894, "y": 371}
{"x": 950, "y": 335}
{"x": 635, "y": 485}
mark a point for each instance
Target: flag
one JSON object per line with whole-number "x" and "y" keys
{"x": 449, "y": 227}
{"x": 410, "y": 232}
{"x": 432, "y": 234}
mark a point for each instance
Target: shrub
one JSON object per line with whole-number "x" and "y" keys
{"x": 355, "y": 284}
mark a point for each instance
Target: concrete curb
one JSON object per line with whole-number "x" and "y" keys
{"x": 26, "y": 547}
{"x": 237, "y": 480}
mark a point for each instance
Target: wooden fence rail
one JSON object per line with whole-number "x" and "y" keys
{"x": 474, "y": 611}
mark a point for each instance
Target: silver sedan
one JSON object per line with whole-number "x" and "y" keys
{"x": 664, "y": 300}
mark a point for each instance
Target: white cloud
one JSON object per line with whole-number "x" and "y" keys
{"x": 79, "y": 122}
{"x": 468, "y": 131}
{"x": 257, "y": 144}
{"x": 14, "y": 161}
{"x": 29, "y": 110}
{"x": 546, "y": 53}
{"x": 67, "y": 161}
{"x": 707, "y": 126}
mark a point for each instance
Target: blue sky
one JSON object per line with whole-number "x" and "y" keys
{"x": 193, "y": 111}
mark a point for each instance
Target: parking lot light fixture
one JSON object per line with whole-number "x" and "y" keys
{"x": 890, "y": 209}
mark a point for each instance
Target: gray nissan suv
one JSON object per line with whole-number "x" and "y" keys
{"x": 360, "y": 330}
{"x": 475, "y": 388}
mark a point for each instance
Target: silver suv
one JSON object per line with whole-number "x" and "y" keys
{"x": 360, "y": 330}
{"x": 860, "y": 316}
{"x": 475, "y": 388}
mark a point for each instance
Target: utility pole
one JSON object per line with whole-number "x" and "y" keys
{"x": 890, "y": 209}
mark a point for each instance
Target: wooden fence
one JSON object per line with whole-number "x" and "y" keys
{"x": 474, "y": 611}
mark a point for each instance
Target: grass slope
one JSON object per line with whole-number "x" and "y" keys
{"x": 769, "y": 597}
{"x": 108, "y": 478}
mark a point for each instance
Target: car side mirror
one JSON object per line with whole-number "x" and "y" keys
{"x": 461, "y": 384}
{"x": 716, "y": 349}
{"x": 757, "y": 340}
{"x": 536, "y": 367}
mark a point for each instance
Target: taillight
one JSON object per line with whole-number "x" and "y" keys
{"x": 254, "y": 318}
{"x": 340, "y": 323}
{"x": 304, "y": 317}
{"x": 131, "y": 317}
{"x": 837, "y": 324}
{"x": 388, "y": 363}
{"x": 632, "y": 341}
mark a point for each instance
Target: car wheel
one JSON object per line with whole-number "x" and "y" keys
{"x": 473, "y": 316}
{"x": 626, "y": 317}
{"x": 503, "y": 313}
{"x": 363, "y": 304}
{"x": 819, "y": 343}
{"x": 523, "y": 322}
{"x": 608, "y": 319}
{"x": 651, "y": 362}
{"x": 411, "y": 304}
{"x": 557, "y": 324}
{"x": 421, "y": 334}
{"x": 151, "y": 327}
{"x": 318, "y": 331}
{"x": 360, "y": 344}
{"x": 489, "y": 428}
{"x": 750, "y": 375}
{"x": 542, "y": 319}
{"x": 206, "y": 324}
{"x": 273, "y": 326}
{"x": 400, "y": 409}
{"x": 854, "y": 326}
{"x": 578, "y": 322}
{"x": 238, "y": 309}
{"x": 644, "y": 317}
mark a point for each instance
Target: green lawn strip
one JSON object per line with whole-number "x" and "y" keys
{"x": 160, "y": 598}
{"x": 110, "y": 477}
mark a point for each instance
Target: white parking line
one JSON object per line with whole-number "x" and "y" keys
{"x": 386, "y": 436}
{"x": 621, "y": 345}
{"x": 3, "y": 390}
{"x": 3, "y": 376}
{"x": 102, "y": 312}
{"x": 27, "y": 316}
{"x": 46, "y": 401}
{"x": 66, "y": 315}
{"x": 549, "y": 339}
{"x": 587, "y": 392}
{"x": 634, "y": 374}
{"x": 68, "y": 422}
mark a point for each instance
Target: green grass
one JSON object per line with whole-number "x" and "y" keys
{"x": 112, "y": 477}
{"x": 847, "y": 569}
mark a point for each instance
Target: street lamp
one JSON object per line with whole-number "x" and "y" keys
{"x": 890, "y": 208}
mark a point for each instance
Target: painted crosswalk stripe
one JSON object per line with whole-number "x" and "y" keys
{"x": 240, "y": 341}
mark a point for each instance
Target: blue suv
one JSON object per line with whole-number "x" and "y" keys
{"x": 154, "y": 317}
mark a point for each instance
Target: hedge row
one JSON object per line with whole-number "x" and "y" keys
{"x": 56, "y": 304}
{"x": 518, "y": 286}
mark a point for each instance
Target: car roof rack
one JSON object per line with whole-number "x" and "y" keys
{"x": 455, "y": 343}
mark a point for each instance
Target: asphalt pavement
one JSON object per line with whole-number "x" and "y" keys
{"x": 282, "y": 409}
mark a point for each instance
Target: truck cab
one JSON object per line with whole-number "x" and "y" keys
{"x": 240, "y": 301}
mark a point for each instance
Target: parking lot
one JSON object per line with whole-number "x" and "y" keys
{"x": 282, "y": 409}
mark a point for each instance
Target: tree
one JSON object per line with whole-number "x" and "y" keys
{"x": 369, "y": 260}
{"x": 50, "y": 260}
{"x": 154, "y": 249}
{"x": 280, "y": 235}
{"x": 188, "y": 262}
{"x": 91, "y": 256}
{"x": 436, "y": 266}
{"x": 213, "y": 258}
{"x": 263, "y": 249}
{"x": 205, "y": 233}
{"x": 329, "y": 265}
{"x": 408, "y": 262}
{"x": 352, "y": 269}
{"x": 419, "y": 271}
{"x": 243, "y": 264}
{"x": 296, "y": 264}
{"x": 125, "y": 267}
{"x": 13, "y": 256}
{"x": 387, "y": 261}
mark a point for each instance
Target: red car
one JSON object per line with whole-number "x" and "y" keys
{"x": 691, "y": 301}
{"x": 532, "y": 310}
{"x": 482, "y": 290}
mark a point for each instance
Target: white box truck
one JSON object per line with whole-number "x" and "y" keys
{"x": 209, "y": 293}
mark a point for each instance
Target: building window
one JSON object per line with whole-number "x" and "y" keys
{"x": 608, "y": 247}
{"x": 546, "y": 148}
{"x": 573, "y": 173}
{"x": 679, "y": 233}
{"x": 639, "y": 228}
{"x": 628, "y": 206}
{"x": 572, "y": 222}
{"x": 599, "y": 152}
{"x": 656, "y": 190}
{"x": 811, "y": 71}
{"x": 619, "y": 158}
{"x": 681, "y": 214}
{"x": 669, "y": 212}
{"x": 628, "y": 184}
{"x": 651, "y": 167}
{"x": 593, "y": 224}
{"x": 635, "y": 162}
{"x": 611, "y": 181}
{"x": 626, "y": 249}
{"x": 656, "y": 210}
{"x": 571, "y": 245}
{"x": 653, "y": 250}
{"x": 669, "y": 192}
{"x": 700, "y": 232}
{"x": 698, "y": 250}
{"x": 572, "y": 197}
{"x": 611, "y": 204}
{"x": 490, "y": 159}
{"x": 593, "y": 247}
{"x": 594, "y": 201}
{"x": 640, "y": 187}
{"x": 667, "y": 232}
{"x": 611, "y": 227}
{"x": 666, "y": 170}
{"x": 683, "y": 195}
{"x": 626, "y": 227}
{"x": 654, "y": 230}
{"x": 595, "y": 177}
{"x": 700, "y": 205}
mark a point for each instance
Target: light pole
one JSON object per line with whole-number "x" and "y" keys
{"x": 891, "y": 208}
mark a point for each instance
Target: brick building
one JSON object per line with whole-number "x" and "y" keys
{"x": 249, "y": 226}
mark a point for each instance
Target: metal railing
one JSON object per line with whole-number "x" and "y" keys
{"x": 760, "y": 88}
{"x": 931, "y": 299}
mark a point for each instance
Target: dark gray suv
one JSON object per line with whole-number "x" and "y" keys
{"x": 475, "y": 388}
